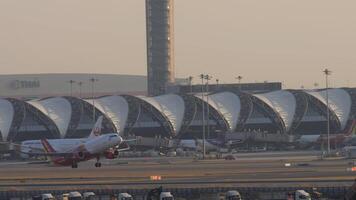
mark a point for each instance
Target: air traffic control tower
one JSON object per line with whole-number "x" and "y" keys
{"x": 160, "y": 46}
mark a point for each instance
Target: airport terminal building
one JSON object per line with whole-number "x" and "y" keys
{"x": 180, "y": 114}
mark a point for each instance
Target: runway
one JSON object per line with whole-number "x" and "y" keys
{"x": 257, "y": 169}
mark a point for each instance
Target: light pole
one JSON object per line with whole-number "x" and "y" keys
{"x": 239, "y": 78}
{"x": 93, "y": 80}
{"x": 217, "y": 84}
{"x": 327, "y": 73}
{"x": 71, "y": 87}
{"x": 203, "y": 111}
{"x": 190, "y": 80}
{"x": 80, "y": 83}
{"x": 207, "y": 77}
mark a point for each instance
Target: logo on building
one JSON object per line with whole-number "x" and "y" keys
{"x": 25, "y": 84}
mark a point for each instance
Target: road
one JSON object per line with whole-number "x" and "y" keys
{"x": 258, "y": 169}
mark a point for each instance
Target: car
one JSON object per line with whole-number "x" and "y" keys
{"x": 230, "y": 157}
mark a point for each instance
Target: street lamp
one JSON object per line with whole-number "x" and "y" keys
{"x": 190, "y": 80}
{"x": 80, "y": 83}
{"x": 71, "y": 87}
{"x": 327, "y": 73}
{"x": 207, "y": 77}
{"x": 239, "y": 78}
{"x": 203, "y": 111}
{"x": 93, "y": 80}
{"x": 217, "y": 84}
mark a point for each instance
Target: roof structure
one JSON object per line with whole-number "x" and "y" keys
{"x": 171, "y": 106}
{"x": 58, "y": 109}
{"x": 177, "y": 114}
{"x": 339, "y": 103}
{"x": 115, "y": 109}
{"x": 6, "y": 117}
{"x": 283, "y": 103}
{"x": 228, "y": 105}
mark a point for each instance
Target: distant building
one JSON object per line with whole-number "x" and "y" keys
{"x": 246, "y": 87}
{"x": 44, "y": 85}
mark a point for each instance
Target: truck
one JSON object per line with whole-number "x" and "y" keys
{"x": 46, "y": 196}
{"x": 232, "y": 195}
{"x": 299, "y": 195}
{"x": 124, "y": 196}
{"x": 166, "y": 196}
{"x": 89, "y": 196}
{"x": 72, "y": 196}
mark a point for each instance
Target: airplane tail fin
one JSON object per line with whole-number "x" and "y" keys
{"x": 96, "y": 131}
{"x": 47, "y": 146}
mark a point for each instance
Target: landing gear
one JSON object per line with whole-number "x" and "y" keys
{"x": 97, "y": 164}
{"x": 74, "y": 165}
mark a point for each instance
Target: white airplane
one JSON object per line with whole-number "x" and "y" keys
{"x": 71, "y": 151}
{"x": 35, "y": 146}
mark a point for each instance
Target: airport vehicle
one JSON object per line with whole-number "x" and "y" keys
{"x": 72, "y": 196}
{"x": 124, "y": 196}
{"x": 232, "y": 195}
{"x": 218, "y": 144}
{"x": 299, "y": 195}
{"x": 46, "y": 196}
{"x": 166, "y": 196}
{"x": 89, "y": 196}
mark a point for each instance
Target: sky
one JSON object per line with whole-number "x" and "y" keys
{"x": 290, "y": 41}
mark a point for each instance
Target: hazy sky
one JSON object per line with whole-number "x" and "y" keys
{"x": 273, "y": 40}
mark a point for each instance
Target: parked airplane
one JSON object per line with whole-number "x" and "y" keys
{"x": 71, "y": 151}
{"x": 335, "y": 139}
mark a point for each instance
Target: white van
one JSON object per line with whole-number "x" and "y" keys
{"x": 166, "y": 196}
{"x": 301, "y": 195}
{"x": 124, "y": 196}
{"x": 232, "y": 195}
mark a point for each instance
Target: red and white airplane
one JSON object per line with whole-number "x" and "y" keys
{"x": 68, "y": 152}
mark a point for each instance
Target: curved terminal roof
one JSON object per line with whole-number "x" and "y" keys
{"x": 58, "y": 109}
{"x": 115, "y": 108}
{"x": 339, "y": 103}
{"x": 6, "y": 117}
{"x": 228, "y": 104}
{"x": 171, "y": 105}
{"x": 283, "y": 103}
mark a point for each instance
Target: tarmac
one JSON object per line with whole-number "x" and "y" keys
{"x": 248, "y": 170}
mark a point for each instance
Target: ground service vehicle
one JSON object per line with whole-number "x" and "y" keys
{"x": 89, "y": 196}
{"x": 44, "y": 197}
{"x": 166, "y": 196}
{"x": 74, "y": 196}
{"x": 299, "y": 195}
{"x": 124, "y": 196}
{"x": 232, "y": 195}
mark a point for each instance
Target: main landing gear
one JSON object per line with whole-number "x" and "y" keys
{"x": 97, "y": 164}
{"x": 74, "y": 165}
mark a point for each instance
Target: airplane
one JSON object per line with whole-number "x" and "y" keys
{"x": 335, "y": 139}
{"x": 90, "y": 149}
{"x": 33, "y": 146}
{"x": 71, "y": 151}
